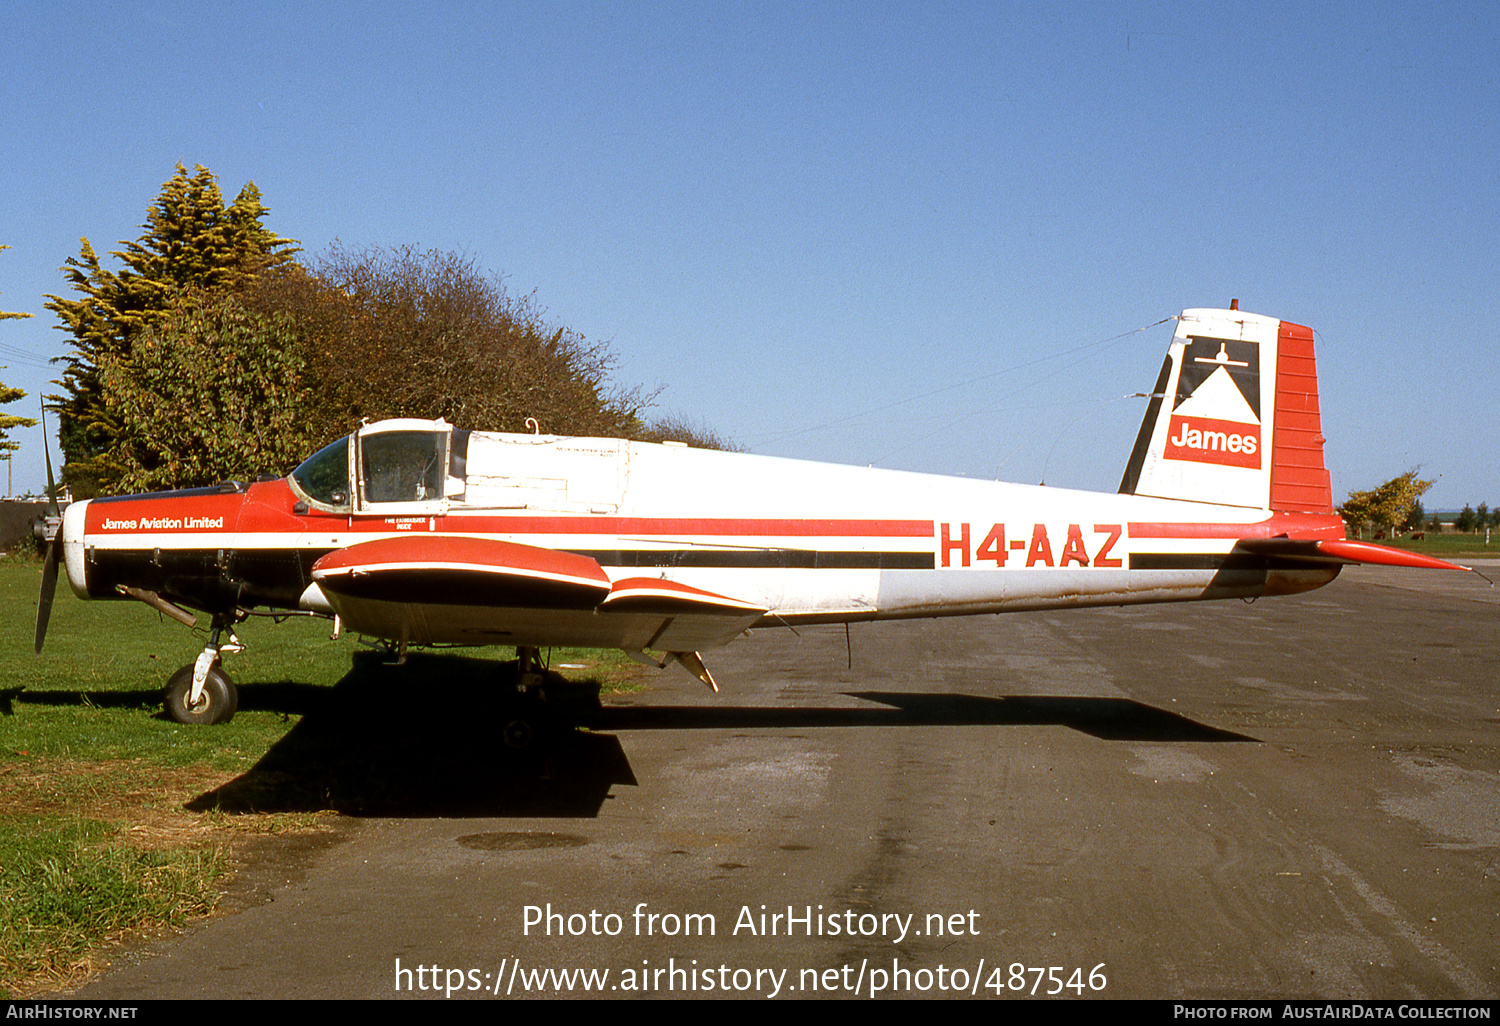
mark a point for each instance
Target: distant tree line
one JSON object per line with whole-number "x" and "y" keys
{"x": 215, "y": 354}
{"x": 1472, "y": 518}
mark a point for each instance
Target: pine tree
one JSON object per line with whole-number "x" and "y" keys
{"x": 10, "y": 395}
{"x": 193, "y": 246}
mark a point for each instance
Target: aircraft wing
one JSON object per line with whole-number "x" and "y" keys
{"x": 459, "y": 571}
{"x": 434, "y": 589}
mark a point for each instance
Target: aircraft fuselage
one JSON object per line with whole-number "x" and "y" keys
{"x": 804, "y": 542}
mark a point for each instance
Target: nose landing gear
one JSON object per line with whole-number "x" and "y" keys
{"x": 201, "y": 693}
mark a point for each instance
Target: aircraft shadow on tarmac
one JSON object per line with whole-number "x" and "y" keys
{"x": 1111, "y": 719}
{"x": 433, "y": 737}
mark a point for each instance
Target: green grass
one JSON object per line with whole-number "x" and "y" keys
{"x": 95, "y": 841}
{"x": 95, "y": 691}
{"x": 69, "y": 883}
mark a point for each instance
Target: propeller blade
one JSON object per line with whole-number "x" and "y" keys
{"x": 49, "y": 587}
{"x": 54, "y": 549}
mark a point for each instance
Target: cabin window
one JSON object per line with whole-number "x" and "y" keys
{"x": 324, "y": 476}
{"x": 403, "y": 466}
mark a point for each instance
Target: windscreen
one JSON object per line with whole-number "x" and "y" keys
{"x": 324, "y": 475}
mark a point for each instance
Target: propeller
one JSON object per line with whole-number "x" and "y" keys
{"x": 54, "y": 549}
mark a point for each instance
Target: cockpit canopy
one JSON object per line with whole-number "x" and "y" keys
{"x": 395, "y": 466}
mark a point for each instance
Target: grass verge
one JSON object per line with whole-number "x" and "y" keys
{"x": 70, "y": 884}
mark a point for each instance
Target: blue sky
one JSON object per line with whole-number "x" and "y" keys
{"x": 915, "y": 235}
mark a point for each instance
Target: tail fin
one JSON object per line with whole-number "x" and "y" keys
{"x": 1220, "y": 429}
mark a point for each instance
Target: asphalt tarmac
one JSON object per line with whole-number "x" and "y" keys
{"x": 1296, "y": 798}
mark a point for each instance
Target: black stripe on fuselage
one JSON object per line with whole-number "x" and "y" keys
{"x": 211, "y": 578}
{"x": 773, "y": 559}
{"x": 1214, "y": 561}
{"x": 272, "y": 566}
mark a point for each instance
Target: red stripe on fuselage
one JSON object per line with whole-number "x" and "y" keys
{"x": 489, "y": 523}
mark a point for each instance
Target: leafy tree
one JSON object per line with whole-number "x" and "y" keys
{"x": 403, "y": 333}
{"x": 1465, "y": 520}
{"x": 1387, "y": 506}
{"x": 10, "y": 395}
{"x": 213, "y": 392}
{"x": 1416, "y": 520}
{"x": 1481, "y": 516}
{"x": 193, "y": 245}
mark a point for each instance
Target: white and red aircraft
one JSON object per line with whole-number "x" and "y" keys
{"x": 419, "y": 533}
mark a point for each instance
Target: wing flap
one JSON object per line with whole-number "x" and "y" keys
{"x": 689, "y": 618}
{"x": 651, "y": 595}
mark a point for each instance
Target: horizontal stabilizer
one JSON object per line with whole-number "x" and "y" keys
{"x": 1345, "y": 551}
{"x": 1384, "y": 555}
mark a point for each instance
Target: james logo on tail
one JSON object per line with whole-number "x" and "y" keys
{"x": 1214, "y": 417}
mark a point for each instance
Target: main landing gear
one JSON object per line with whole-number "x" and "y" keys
{"x": 545, "y": 702}
{"x": 201, "y": 692}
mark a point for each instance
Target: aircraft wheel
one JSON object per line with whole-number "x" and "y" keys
{"x": 518, "y": 734}
{"x": 217, "y": 705}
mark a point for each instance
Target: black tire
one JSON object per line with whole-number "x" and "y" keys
{"x": 518, "y": 734}
{"x": 218, "y": 704}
